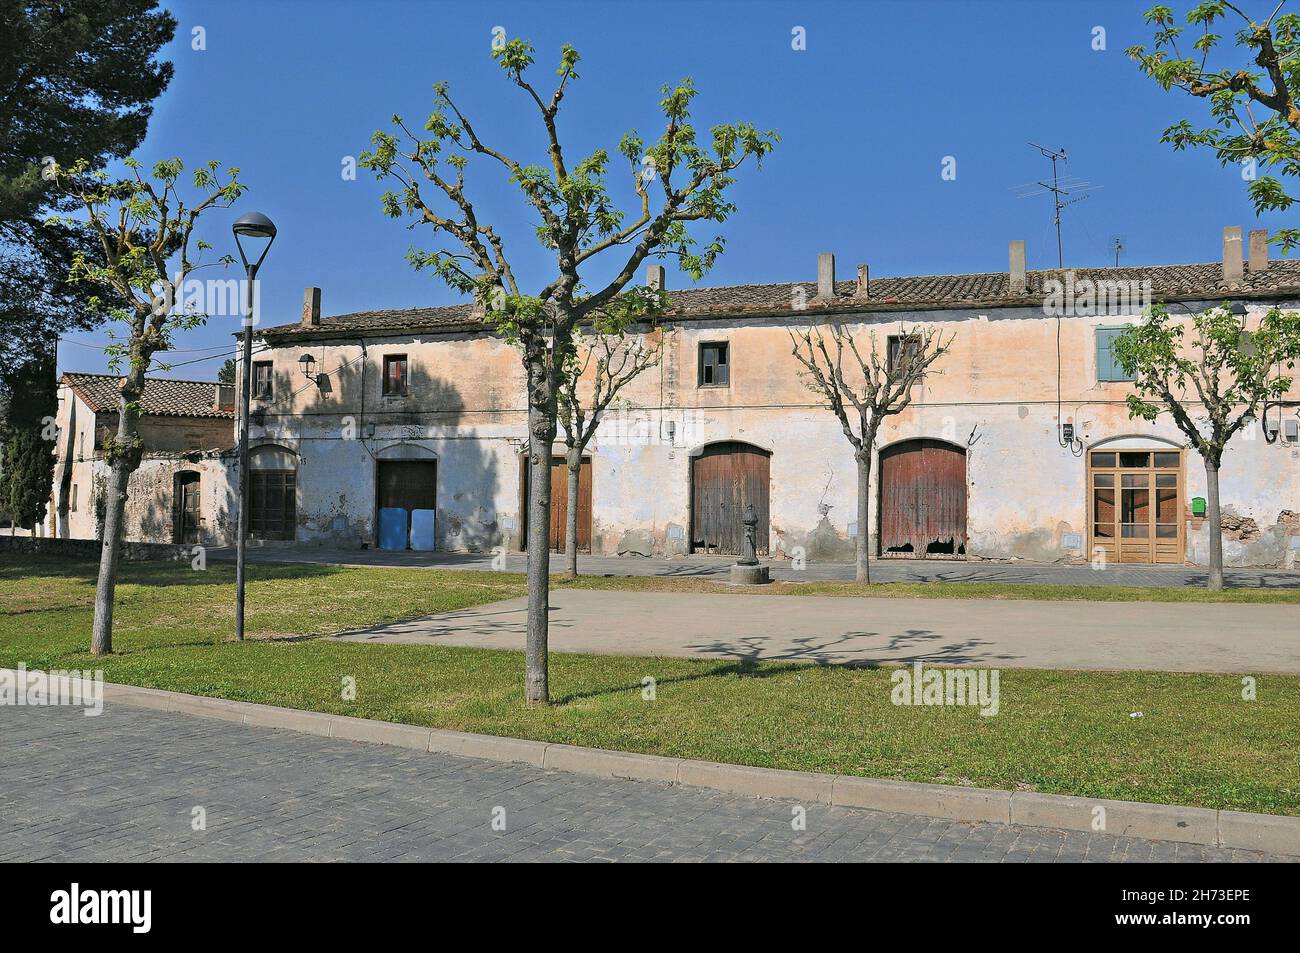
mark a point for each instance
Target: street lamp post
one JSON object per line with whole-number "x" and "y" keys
{"x": 253, "y": 225}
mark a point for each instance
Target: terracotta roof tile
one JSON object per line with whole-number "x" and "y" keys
{"x": 162, "y": 396}
{"x": 921, "y": 292}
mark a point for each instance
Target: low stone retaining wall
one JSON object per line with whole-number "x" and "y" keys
{"x": 90, "y": 548}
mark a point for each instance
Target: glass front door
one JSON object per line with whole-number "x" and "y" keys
{"x": 1135, "y": 505}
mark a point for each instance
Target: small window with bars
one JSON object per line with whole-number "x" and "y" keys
{"x": 715, "y": 364}
{"x": 395, "y": 379}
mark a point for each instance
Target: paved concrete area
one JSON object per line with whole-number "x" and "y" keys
{"x": 886, "y": 570}
{"x": 1138, "y": 636}
{"x": 125, "y": 786}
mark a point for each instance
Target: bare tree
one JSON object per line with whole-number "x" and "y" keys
{"x": 876, "y": 387}
{"x": 142, "y": 225}
{"x": 611, "y": 359}
{"x": 576, "y": 220}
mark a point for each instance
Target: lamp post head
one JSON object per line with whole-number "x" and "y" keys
{"x": 253, "y": 225}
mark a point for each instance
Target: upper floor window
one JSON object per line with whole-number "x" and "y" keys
{"x": 902, "y": 350}
{"x": 1109, "y": 369}
{"x": 715, "y": 364}
{"x": 262, "y": 379}
{"x": 395, "y": 379}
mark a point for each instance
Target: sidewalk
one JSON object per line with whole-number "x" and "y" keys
{"x": 884, "y": 570}
{"x": 1137, "y": 636}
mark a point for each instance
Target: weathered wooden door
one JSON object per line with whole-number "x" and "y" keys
{"x": 272, "y": 504}
{"x": 186, "y": 502}
{"x": 560, "y": 504}
{"x": 726, "y": 477}
{"x": 922, "y": 499}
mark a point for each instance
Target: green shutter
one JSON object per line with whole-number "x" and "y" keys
{"x": 1109, "y": 369}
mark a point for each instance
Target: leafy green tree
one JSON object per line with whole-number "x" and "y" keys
{"x": 25, "y": 476}
{"x": 77, "y": 83}
{"x": 144, "y": 225}
{"x": 227, "y": 373}
{"x": 28, "y": 401}
{"x": 1253, "y": 110}
{"x": 1226, "y": 368}
{"x": 675, "y": 181}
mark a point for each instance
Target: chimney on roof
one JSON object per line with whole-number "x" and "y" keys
{"x": 825, "y": 276}
{"x": 311, "y": 308}
{"x": 864, "y": 282}
{"x": 224, "y": 397}
{"x": 1232, "y": 264}
{"x": 1017, "y": 256}
{"x": 654, "y": 277}
{"x": 1258, "y": 250}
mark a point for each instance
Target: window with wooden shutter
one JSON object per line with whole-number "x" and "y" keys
{"x": 715, "y": 364}
{"x": 1109, "y": 369}
{"x": 395, "y": 375}
{"x": 262, "y": 379}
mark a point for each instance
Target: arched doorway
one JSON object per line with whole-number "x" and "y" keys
{"x": 272, "y": 493}
{"x": 186, "y": 512}
{"x": 725, "y": 478}
{"x": 1135, "y": 501}
{"x": 922, "y": 508}
{"x": 406, "y": 497}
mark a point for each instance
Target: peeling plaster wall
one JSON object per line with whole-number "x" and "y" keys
{"x": 993, "y": 394}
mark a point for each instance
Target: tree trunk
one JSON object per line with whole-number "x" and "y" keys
{"x": 1215, "y": 519}
{"x": 125, "y": 460}
{"x": 541, "y": 433}
{"x": 573, "y": 463}
{"x": 863, "y": 570}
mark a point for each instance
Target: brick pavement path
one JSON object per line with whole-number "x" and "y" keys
{"x": 123, "y": 786}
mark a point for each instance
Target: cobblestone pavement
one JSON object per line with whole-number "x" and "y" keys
{"x": 125, "y": 786}
{"x": 887, "y": 570}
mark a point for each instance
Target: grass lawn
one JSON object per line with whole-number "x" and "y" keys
{"x": 1197, "y": 741}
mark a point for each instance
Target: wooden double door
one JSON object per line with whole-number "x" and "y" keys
{"x": 725, "y": 478}
{"x": 922, "y": 499}
{"x": 560, "y": 504}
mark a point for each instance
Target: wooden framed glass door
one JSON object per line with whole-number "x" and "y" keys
{"x": 1135, "y": 505}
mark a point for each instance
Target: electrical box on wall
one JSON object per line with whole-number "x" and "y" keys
{"x": 1291, "y": 431}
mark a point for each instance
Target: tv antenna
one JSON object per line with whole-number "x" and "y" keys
{"x": 1118, "y": 244}
{"x": 1061, "y": 187}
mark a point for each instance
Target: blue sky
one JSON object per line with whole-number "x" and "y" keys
{"x": 867, "y": 113}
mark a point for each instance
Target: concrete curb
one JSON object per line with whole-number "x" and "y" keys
{"x": 1193, "y": 825}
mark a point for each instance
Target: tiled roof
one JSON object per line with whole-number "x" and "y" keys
{"x": 162, "y": 397}
{"x": 922, "y": 292}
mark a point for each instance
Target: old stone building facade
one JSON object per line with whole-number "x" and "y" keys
{"x": 185, "y": 489}
{"x": 421, "y": 414}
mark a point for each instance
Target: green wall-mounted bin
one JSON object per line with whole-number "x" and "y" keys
{"x": 1198, "y": 506}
